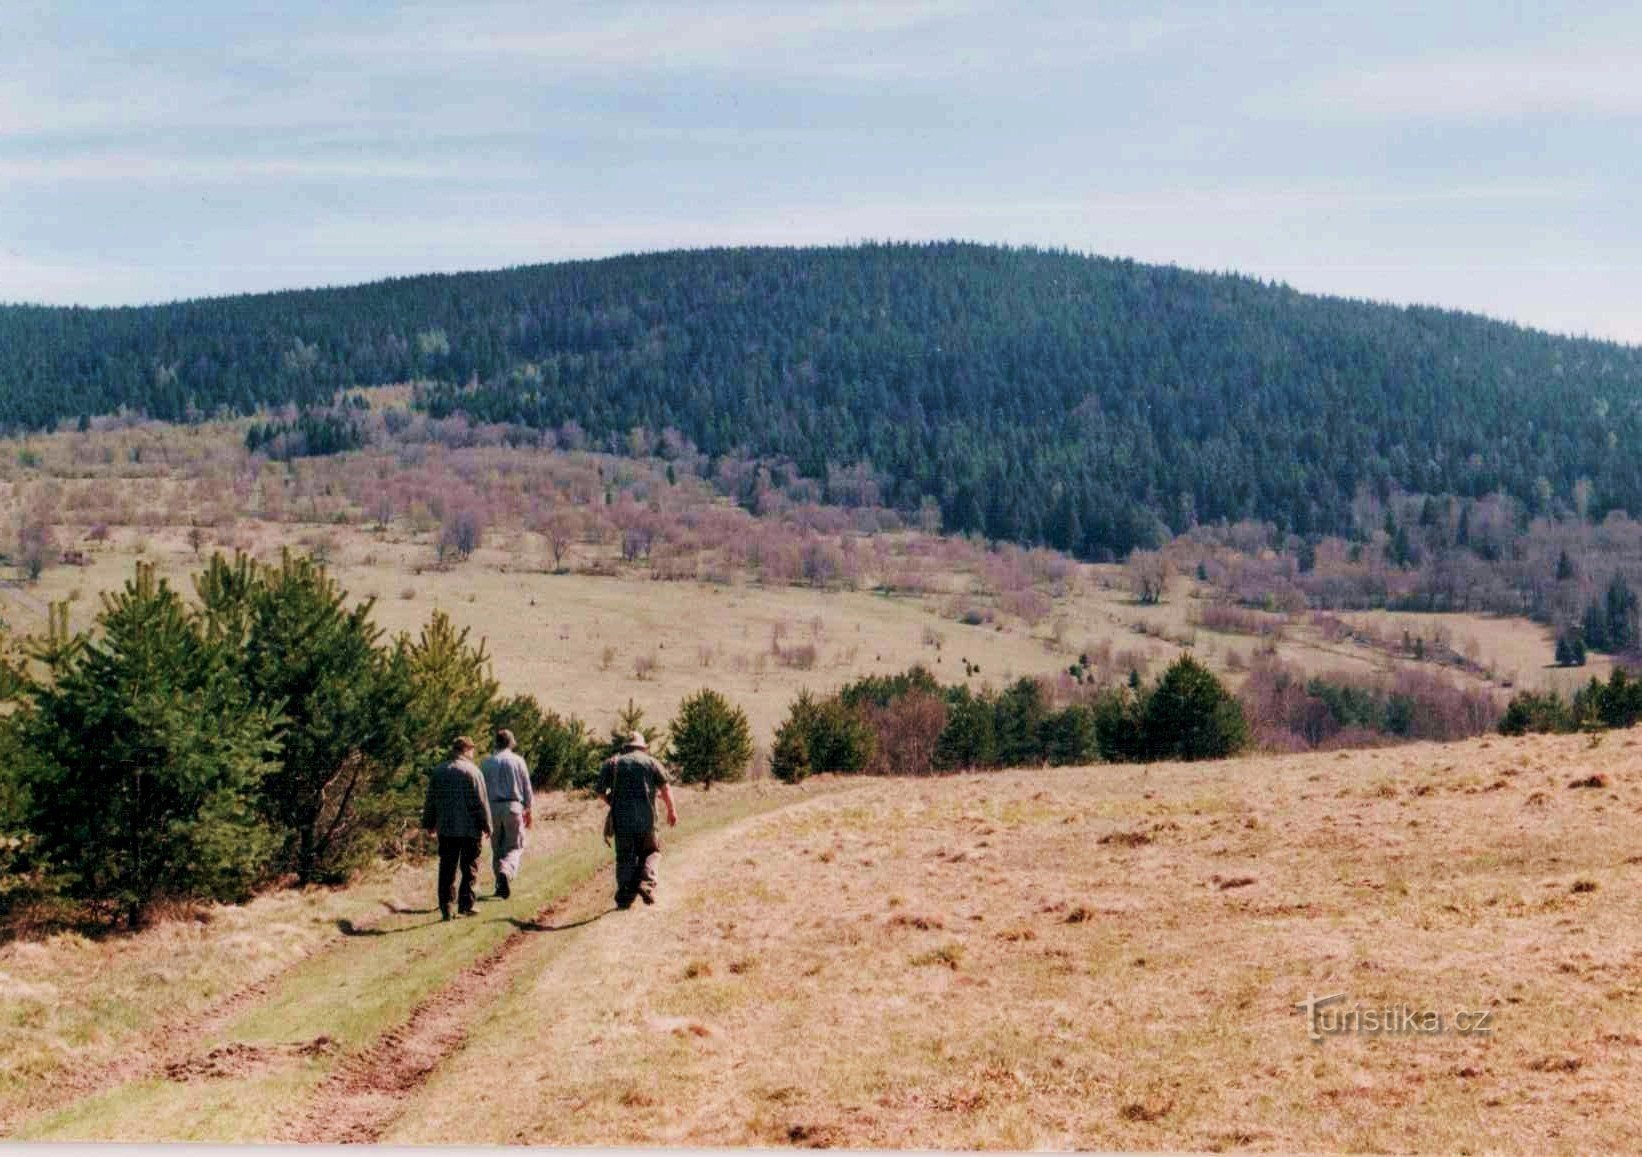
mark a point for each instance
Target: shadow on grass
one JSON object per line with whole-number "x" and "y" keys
{"x": 535, "y": 926}
{"x": 349, "y": 928}
{"x": 401, "y": 910}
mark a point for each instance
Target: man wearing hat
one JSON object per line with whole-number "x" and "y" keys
{"x": 629, "y": 782}
{"x": 455, "y": 810}
{"x": 507, "y": 782}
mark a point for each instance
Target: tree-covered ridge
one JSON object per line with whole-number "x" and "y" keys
{"x": 1038, "y": 396}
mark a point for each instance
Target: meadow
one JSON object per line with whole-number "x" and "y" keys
{"x": 1100, "y": 957}
{"x": 1104, "y": 956}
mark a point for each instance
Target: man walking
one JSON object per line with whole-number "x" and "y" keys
{"x": 629, "y": 782}
{"x": 456, "y": 811}
{"x": 507, "y": 781}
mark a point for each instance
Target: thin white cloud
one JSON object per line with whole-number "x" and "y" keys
{"x": 48, "y": 281}
{"x": 607, "y": 35}
{"x": 831, "y": 40}
{"x": 93, "y": 168}
{"x": 1597, "y": 81}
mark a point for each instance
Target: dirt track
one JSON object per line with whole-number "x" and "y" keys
{"x": 369, "y": 1089}
{"x": 172, "y": 1051}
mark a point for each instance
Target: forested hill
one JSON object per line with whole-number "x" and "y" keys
{"x": 1039, "y": 396}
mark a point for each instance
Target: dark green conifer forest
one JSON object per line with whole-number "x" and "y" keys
{"x": 1090, "y": 404}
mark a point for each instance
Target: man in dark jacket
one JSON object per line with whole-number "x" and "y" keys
{"x": 629, "y": 782}
{"x": 456, "y": 811}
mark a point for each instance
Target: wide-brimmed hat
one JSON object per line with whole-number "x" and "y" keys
{"x": 636, "y": 740}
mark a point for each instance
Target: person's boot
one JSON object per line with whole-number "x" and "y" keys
{"x": 444, "y": 911}
{"x": 503, "y": 888}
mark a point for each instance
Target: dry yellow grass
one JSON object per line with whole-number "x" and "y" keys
{"x": 1110, "y": 958}
{"x": 70, "y": 1003}
{"x": 576, "y": 641}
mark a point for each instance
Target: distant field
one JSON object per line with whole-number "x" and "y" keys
{"x": 1106, "y": 957}
{"x": 586, "y": 641}
{"x": 576, "y": 640}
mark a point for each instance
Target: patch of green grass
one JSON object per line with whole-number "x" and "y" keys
{"x": 353, "y": 993}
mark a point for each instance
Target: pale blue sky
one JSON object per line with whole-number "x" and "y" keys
{"x": 1483, "y": 157}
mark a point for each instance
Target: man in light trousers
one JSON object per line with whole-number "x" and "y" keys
{"x": 507, "y": 781}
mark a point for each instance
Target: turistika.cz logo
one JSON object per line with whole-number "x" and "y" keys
{"x": 1326, "y": 1016}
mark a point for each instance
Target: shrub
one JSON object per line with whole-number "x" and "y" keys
{"x": 790, "y": 755}
{"x": 1191, "y": 715}
{"x": 821, "y": 736}
{"x": 969, "y": 739}
{"x": 799, "y": 656}
{"x": 1291, "y": 712}
{"x": 1119, "y": 737}
{"x": 881, "y": 690}
{"x": 460, "y": 534}
{"x": 1019, "y": 715}
{"x": 452, "y": 692}
{"x": 560, "y": 752}
{"x": 628, "y": 720}
{"x": 1070, "y": 736}
{"x": 300, "y": 651}
{"x": 710, "y": 739}
{"x": 1618, "y": 703}
{"x": 907, "y": 733}
{"x": 1530, "y": 712}
{"x": 144, "y": 753}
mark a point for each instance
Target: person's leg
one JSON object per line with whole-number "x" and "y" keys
{"x": 470, "y": 874}
{"x": 507, "y": 848}
{"x": 627, "y": 870}
{"x": 498, "y": 847}
{"x": 449, "y": 853}
{"x": 646, "y": 883}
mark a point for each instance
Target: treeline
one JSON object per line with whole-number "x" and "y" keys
{"x": 1289, "y": 710}
{"x": 199, "y": 749}
{"x": 312, "y": 433}
{"x": 1423, "y": 554}
{"x": 1037, "y": 397}
{"x": 1595, "y": 706}
{"x": 909, "y": 724}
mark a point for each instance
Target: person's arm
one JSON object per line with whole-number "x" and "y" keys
{"x": 478, "y": 804}
{"x": 430, "y": 813}
{"x": 666, "y": 793}
{"x": 529, "y": 790}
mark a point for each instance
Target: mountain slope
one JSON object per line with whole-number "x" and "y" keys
{"x": 1037, "y": 396}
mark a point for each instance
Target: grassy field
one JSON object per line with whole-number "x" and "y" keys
{"x": 586, "y": 641}
{"x": 578, "y": 641}
{"x": 1103, "y": 957}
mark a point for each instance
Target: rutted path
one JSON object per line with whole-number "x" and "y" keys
{"x": 169, "y": 1050}
{"x": 329, "y": 1048}
{"x": 367, "y": 1090}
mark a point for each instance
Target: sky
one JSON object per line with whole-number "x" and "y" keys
{"x": 1475, "y": 156}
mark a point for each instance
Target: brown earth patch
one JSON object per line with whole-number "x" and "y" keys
{"x": 239, "y": 1059}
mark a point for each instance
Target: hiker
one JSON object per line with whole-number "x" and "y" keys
{"x": 507, "y": 782}
{"x": 456, "y": 811}
{"x": 629, "y": 782}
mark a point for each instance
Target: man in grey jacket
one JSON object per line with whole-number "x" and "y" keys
{"x": 456, "y": 811}
{"x": 507, "y": 782}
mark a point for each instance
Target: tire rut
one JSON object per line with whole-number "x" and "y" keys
{"x": 368, "y": 1089}
{"x": 163, "y": 1050}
